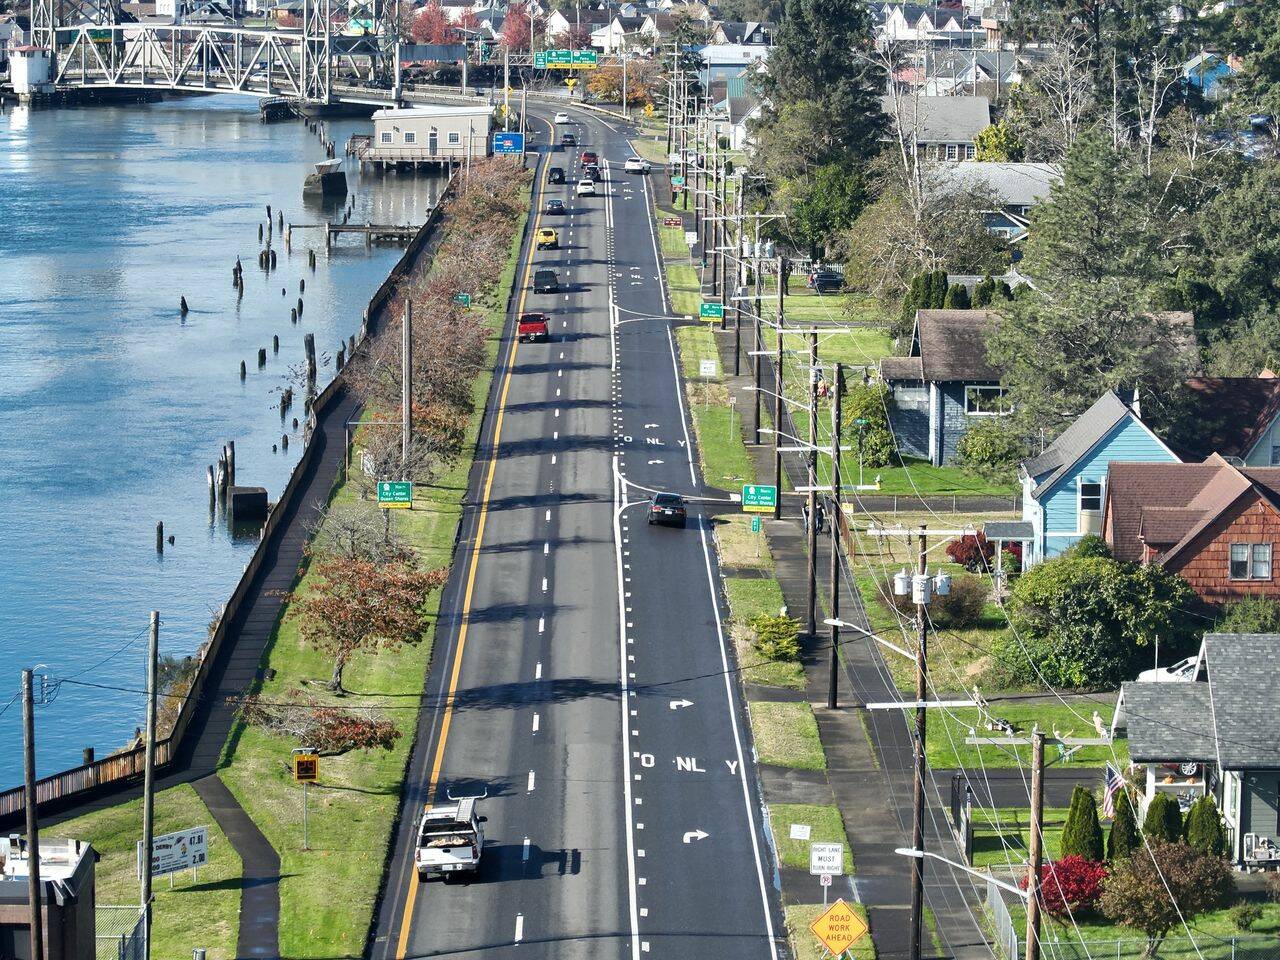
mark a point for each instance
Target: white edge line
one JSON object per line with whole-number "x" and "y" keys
{"x": 620, "y": 504}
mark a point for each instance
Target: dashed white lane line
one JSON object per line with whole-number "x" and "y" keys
{"x": 546, "y": 547}
{"x": 536, "y": 721}
{"x": 524, "y": 853}
{"x": 557, "y": 411}
{"x": 532, "y": 777}
{"x": 553, "y": 459}
{"x": 542, "y": 624}
{"x": 544, "y": 584}
{"x": 548, "y": 516}
{"x": 519, "y": 927}
{"x": 537, "y": 671}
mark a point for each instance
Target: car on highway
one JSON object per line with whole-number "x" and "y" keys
{"x": 547, "y": 239}
{"x": 636, "y": 165}
{"x": 545, "y": 281}
{"x": 589, "y": 156}
{"x": 555, "y": 175}
{"x": 592, "y": 171}
{"x": 563, "y": 117}
{"x": 568, "y": 140}
{"x": 668, "y": 510}
{"x": 825, "y": 280}
{"x": 554, "y": 206}
{"x": 586, "y": 188}
{"x": 533, "y": 328}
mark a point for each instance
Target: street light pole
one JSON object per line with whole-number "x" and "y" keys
{"x": 149, "y": 778}
{"x": 29, "y": 801}
{"x": 921, "y": 589}
{"x": 777, "y": 397}
{"x": 837, "y": 515}
{"x": 812, "y": 532}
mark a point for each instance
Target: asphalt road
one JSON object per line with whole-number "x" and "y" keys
{"x": 581, "y": 675}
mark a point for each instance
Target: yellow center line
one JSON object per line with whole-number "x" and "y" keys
{"x": 446, "y": 719}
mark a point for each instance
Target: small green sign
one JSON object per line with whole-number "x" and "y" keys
{"x": 395, "y": 494}
{"x": 540, "y": 60}
{"x": 677, "y": 181}
{"x": 758, "y": 498}
{"x": 564, "y": 59}
{"x": 711, "y": 311}
{"x": 462, "y": 299}
{"x": 756, "y": 524}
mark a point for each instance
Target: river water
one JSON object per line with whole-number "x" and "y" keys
{"x": 112, "y": 403}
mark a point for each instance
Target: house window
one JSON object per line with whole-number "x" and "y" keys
{"x": 1250, "y": 561}
{"x": 953, "y": 152}
{"x": 1091, "y": 496}
{"x": 1275, "y": 455}
{"x": 455, "y": 138}
{"x": 970, "y": 151}
{"x": 986, "y": 402}
{"x": 386, "y": 136}
{"x": 410, "y": 137}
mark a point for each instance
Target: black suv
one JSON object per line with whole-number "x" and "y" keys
{"x": 545, "y": 281}
{"x": 826, "y": 281}
{"x": 555, "y": 175}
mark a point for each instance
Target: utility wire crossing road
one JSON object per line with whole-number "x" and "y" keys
{"x": 581, "y": 659}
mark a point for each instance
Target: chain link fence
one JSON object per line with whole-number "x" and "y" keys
{"x": 119, "y": 934}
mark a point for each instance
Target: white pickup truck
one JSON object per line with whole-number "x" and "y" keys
{"x": 450, "y": 839}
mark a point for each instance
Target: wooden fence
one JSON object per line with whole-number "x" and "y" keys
{"x": 127, "y": 765}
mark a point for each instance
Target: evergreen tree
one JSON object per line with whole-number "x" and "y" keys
{"x": 1082, "y": 834}
{"x": 1163, "y": 820}
{"x": 982, "y": 291}
{"x": 1123, "y": 839}
{"x": 1000, "y": 291}
{"x": 957, "y": 298}
{"x": 915, "y": 299}
{"x": 937, "y": 289}
{"x": 1204, "y": 830}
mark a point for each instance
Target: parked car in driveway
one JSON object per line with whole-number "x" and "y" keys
{"x": 534, "y": 328}
{"x": 825, "y": 280}
{"x": 1183, "y": 670}
{"x": 586, "y": 188}
{"x": 668, "y": 510}
{"x": 545, "y": 281}
{"x": 636, "y": 165}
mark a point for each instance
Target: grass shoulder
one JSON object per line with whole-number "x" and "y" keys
{"x": 805, "y": 946}
{"x": 825, "y": 826}
{"x": 786, "y": 735}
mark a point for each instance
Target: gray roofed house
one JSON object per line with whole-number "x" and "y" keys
{"x": 943, "y": 384}
{"x": 1017, "y": 186}
{"x": 943, "y": 128}
{"x": 1216, "y": 732}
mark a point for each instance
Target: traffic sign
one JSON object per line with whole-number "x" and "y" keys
{"x": 756, "y": 524}
{"x": 711, "y": 311}
{"x": 174, "y": 852}
{"x": 306, "y": 767}
{"x": 825, "y": 880}
{"x": 395, "y": 494}
{"x": 508, "y": 143}
{"x": 706, "y": 368}
{"x": 564, "y": 60}
{"x": 691, "y": 237}
{"x": 672, "y": 222}
{"x": 677, "y": 181}
{"x": 826, "y": 858}
{"x": 839, "y": 927}
{"x": 759, "y": 498}
{"x": 571, "y": 82}
{"x": 462, "y": 299}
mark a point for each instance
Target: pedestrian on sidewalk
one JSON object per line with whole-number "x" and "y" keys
{"x": 805, "y": 510}
{"x": 820, "y": 518}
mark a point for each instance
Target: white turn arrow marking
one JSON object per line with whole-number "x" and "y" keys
{"x": 693, "y": 835}
{"x": 677, "y": 704}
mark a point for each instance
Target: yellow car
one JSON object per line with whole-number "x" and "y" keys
{"x": 548, "y": 239}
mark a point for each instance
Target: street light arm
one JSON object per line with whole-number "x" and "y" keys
{"x": 921, "y": 854}
{"x": 867, "y": 633}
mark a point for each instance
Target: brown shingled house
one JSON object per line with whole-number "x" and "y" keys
{"x": 1237, "y": 417}
{"x": 1214, "y": 523}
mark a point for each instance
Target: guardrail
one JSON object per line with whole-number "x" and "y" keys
{"x": 127, "y": 765}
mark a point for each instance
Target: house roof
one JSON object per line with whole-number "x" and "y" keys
{"x": 741, "y": 108}
{"x": 1016, "y": 184}
{"x": 941, "y": 119}
{"x": 1086, "y": 432}
{"x": 1226, "y": 715}
{"x": 901, "y": 368}
{"x": 950, "y": 62}
{"x": 1231, "y": 413}
{"x": 1165, "y": 506}
{"x": 950, "y": 345}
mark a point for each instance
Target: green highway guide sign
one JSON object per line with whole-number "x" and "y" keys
{"x": 758, "y": 498}
{"x": 462, "y": 299}
{"x": 395, "y": 494}
{"x": 755, "y": 524}
{"x": 564, "y": 59}
{"x": 711, "y": 311}
{"x": 677, "y": 181}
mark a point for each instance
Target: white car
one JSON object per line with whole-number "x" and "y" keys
{"x": 586, "y": 188}
{"x": 563, "y": 118}
{"x": 1183, "y": 670}
{"x": 636, "y": 165}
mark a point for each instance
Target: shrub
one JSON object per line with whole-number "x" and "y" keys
{"x": 1273, "y": 887}
{"x": 1250, "y": 615}
{"x": 1154, "y": 890}
{"x": 957, "y": 297}
{"x": 1245, "y": 914}
{"x": 1163, "y": 821}
{"x": 1011, "y": 561}
{"x": 1090, "y": 545}
{"x": 960, "y": 609}
{"x": 1123, "y": 839}
{"x": 777, "y": 638}
{"x": 973, "y": 551}
{"x": 1203, "y": 828}
{"x": 1082, "y": 834}
{"x": 991, "y": 449}
{"x": 869, "y": 402}
{"x": 1070, "y": 886}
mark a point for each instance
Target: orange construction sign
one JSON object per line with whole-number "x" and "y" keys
{"x": 839, "y": 927}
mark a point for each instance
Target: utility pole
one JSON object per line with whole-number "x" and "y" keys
{"x": 625, "y": 115}
{"x": 406, "y": 385}
{"x": 812, "y": 532}
{"x": 739, "y": 281}
{"x": 759, "y": 358}
{"x": 149, "y": 778}
{"x": 1035, "y": 857}
{"x": 777, "y": 400}
{"x": 917, "y": 819}
{"x": 506, "y": 88}
{"x": 833, "y": 684}
{"x": 33, "y": 833}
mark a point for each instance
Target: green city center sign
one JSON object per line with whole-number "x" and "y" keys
{"x": 395, "y": 494}
{"x": 564, "y": 60}
{"x": 759, "y": 498}
{"x": 462, "y": 299}
{"x": 711, "y": 311}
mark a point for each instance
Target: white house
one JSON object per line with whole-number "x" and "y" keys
{"x": 429, "y": 134}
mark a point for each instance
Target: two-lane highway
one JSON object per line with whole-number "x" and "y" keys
{"x": 581, "y": 675}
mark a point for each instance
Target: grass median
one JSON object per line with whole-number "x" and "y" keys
{"x": 805, "y": 946}
{"x": 786, "y": 735}
{"x": 724, "y": 458}
{"x": 825, "y": 826}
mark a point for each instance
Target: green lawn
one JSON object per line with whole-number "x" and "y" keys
{"x": 826, "y": 827}
{"x": 1000, "y": 837}
{"x": 738, "y": 547}
{"x": 725, "y": 462}
{"x": 686, "y": 288}
{"x": 751, "y": 598}
{"x": 204, "y": 912}
{"x": 673, "y": 244}
{"x": 806, "y": 946}
{"x": 354, "y": 806}
{"x": 786, "y": 735}
{"x": 919, "y": 477}
{"x": 948, "y": 729}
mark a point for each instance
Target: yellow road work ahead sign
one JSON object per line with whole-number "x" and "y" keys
{"x": 839, "y": 927}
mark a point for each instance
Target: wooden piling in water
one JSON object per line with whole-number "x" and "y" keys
{"x": 295, "y": 423}
{"x": 244, "y": 370}
{"x": 262, "y": 357}
{"x": 299, "y": 306}
{"x": 284, "y": 441}
{"x": 231, "y": 463}
{"x": 280, "y": 219}
{"x": 159, "y": 536}
{"x": 341, "y": 358}
{"x": 275, "y": 343}
{"x": 182, "y": 305}
{"x": 309, "y": 348}
{"x": 311, "y": 260}
{"x": 259, "y": 233}
{"x": 302, "y": 286}
{"x": 273, "y": 259}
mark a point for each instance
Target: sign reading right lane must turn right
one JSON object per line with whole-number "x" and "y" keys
{"x": 826, "y": 858}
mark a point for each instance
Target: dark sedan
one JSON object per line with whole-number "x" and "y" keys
{"x": 667, "y": 509}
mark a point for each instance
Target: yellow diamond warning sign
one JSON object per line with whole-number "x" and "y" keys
{"x": 839, "y": 927}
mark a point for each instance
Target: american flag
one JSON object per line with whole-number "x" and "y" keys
{"x": 1112, "y": 785}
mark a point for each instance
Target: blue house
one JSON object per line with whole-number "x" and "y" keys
{"x": 1209, "y": 73}
{"x": 1062, "y": 488}
{"x": 944, "y": 385}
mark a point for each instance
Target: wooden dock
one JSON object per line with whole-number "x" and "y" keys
{"x": 372, "y": 232}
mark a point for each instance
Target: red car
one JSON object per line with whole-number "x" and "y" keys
{"x": 589, "y": 156}
{"x": 534, "y": 328}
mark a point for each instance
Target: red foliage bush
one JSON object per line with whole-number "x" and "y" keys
{"x": 973, "y": 551}
{"x": 1070, "y": 886}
